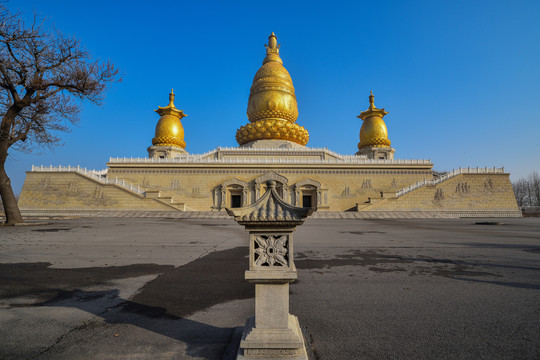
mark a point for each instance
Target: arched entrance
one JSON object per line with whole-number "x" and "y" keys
{"x": 234, "y": 193}
{"x": 308, "y": 193}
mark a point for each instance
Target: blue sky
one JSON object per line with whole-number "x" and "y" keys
{"x": 460, "y": 79}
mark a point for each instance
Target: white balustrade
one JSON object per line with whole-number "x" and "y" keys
{"x": 98, "y": 175}
{"x": 450, "y": 175}
{"x": 212, "y": 157}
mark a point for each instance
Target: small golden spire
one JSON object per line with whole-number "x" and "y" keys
{"x": 272, "y": 50}
{"x": 170, "y": 109}
{"x": 272, "y": 46}
{"x": 372, "y": 110}
{"x": 171, "y": 98}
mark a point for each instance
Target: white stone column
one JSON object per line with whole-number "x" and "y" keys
{"x": 244, "y": 196}
{"x": 223, "y": 197}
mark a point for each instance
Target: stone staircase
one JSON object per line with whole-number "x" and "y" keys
{"x": 165, "y": 200}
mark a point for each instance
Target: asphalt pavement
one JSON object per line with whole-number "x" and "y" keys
{"x": 163, "y": 288}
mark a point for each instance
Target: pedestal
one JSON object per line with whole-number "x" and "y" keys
{"x": 272, "y": 333}
{"x": 272, "y": 343}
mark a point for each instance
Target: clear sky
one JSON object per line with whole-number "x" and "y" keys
{"x": 460, "y": 79}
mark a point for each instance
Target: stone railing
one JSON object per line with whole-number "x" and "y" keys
{"x": 98, "y": 175}
{"x": 69, "y": 168}
{"x": 200, "y": 159}
{"x": 449, "y": 175}
{"x": 274, "y": 149}
{"x": 287, "y": 150}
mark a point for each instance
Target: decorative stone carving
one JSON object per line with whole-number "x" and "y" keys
{"x": 235, "y": 181}
{"x": 271, "y": 250}
{"x": 308, "y": 182}
{"x": 74, "y": 188}
{"x": 175, "y": 184}
{"x": 462, "y": 187}
{"x": 439, "y": 196}
{"x": 45, "y": 184}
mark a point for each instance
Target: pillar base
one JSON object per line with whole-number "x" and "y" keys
{"x": 268, "y": 344}
{"x": 165, "y": 152}
{"x": 377, "y": 153}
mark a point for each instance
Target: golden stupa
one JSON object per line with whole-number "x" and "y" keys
{"x": 272, "y": 109}
{"x": 169, "y": 130}
{"x": 373, "y": 132}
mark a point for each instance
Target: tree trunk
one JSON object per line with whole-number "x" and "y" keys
{"x": 13, "y": 215}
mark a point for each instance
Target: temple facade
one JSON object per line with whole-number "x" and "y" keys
{"x": 272, "y": 146}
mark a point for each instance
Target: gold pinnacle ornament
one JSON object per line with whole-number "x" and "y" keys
{"x": 373, "y": 132}
{"x": 272, "y": 109}
{"x": 169, "y": 130}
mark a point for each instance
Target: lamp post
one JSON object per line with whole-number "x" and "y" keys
{"x": 272, "y": 332}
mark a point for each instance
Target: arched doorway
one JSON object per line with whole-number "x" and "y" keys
{"x": 234, "y": 193}
{"x": 308, "y": 193}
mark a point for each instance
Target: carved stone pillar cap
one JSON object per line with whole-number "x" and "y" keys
{"x": 270, "y": 211}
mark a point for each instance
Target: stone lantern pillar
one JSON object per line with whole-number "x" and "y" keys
{"x": 272, "y": 332}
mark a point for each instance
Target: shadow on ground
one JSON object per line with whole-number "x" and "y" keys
{"x": 202, "y": 340}
{"x": 160, "y": 306}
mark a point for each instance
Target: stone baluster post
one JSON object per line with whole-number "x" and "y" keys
{"x": 272, "y": 333}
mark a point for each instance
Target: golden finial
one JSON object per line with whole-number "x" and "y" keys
{"x": 372, "y": 110}
{"x": 272, "y": 47}
{"x": 171, "y": 98}
{"x": 272, "y": 50}
{"x": 170, "y": 109}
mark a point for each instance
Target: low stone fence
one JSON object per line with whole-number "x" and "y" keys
{"x": 74, "y": 213}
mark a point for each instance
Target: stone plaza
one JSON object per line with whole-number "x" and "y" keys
{"x": 174, "y": 288}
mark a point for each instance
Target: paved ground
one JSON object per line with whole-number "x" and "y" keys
{"x": 126, "y": 288}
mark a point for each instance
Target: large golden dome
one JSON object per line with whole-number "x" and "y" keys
{"x": 272, "y": 108}
{"x": 169, "y": 129}
{"x": 373, "y": 132}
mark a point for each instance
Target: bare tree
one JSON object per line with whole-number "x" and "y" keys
{"x": 534, "y": 188}
{"x": 521, "y": 191}
{"x": 527, "y": 190}
{"x": 43, "y": 77}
